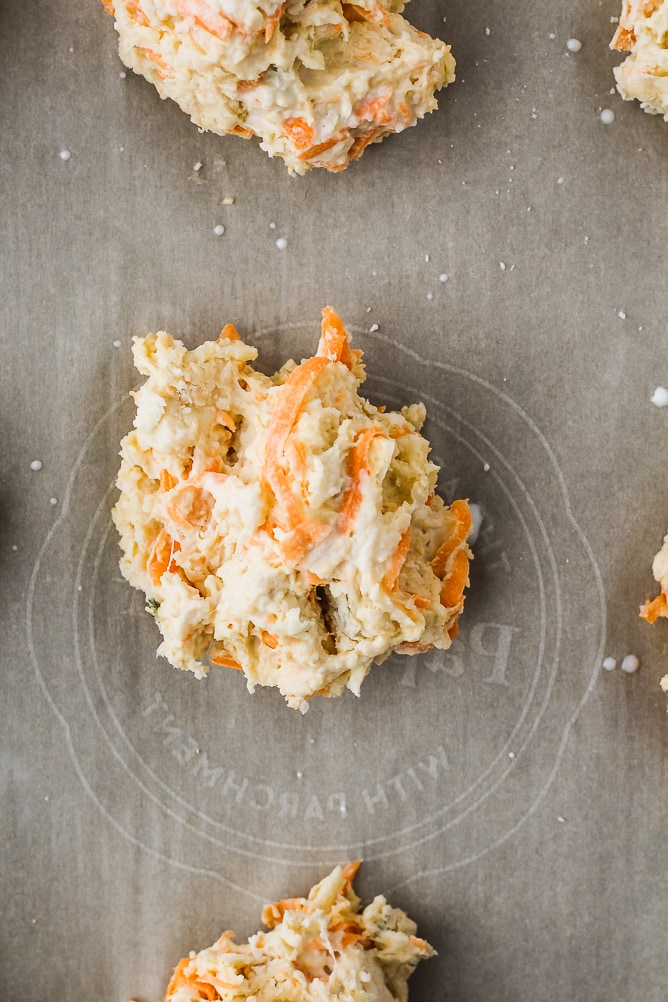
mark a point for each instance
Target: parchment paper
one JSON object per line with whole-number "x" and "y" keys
{"x": 510, "y": 795}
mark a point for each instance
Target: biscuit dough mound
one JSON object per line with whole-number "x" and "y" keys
{"x": 658, "y": 607}
{"x": 322, "y": 947}
{"x": 282, "y": 524}
{"x": 643, "y": 30}
{"x": 316, "y": 80}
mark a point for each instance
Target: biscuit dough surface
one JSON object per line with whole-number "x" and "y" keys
{"x": 316, "y": 80}
{"x": 322, "y": 947}
{"x": 643, "y": 76}
{"x": 658, "y": 607}
{"x": 282, "y": 524}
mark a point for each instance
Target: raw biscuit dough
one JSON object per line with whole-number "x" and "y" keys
{"x": 657, "y": 607}
{"x": 316, "y": 80}
{"x": 322, "y": 947}
{"x": 282, "y": 524}
{"x": 643, "y": 29}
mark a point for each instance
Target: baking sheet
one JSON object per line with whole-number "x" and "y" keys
{"x": 510, "y": 795}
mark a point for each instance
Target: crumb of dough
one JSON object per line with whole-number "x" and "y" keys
{"x": 321, "y": 947}
{"x": 316, "y": 80}
{"x": 658, "y": 607}
{"x": 283, "y": 525}
{"x": 643, "y": 76}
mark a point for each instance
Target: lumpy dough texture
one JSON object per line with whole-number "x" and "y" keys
{"x": 282, "y": 524}
{"x": 643, "y": 76}
{"x": 316, "y": 80}
{"x": 322, "y": 947}
{"x": 658, "y": 607}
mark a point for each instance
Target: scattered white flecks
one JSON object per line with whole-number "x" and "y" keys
{"x": 365, "y": 977}
{"x": 439, "y": 161}
{"x": 121, "y": 149}
{"x": 343, "y": 810}
{"x": 660, "y": 397}
{"x": 281, "y": 243}
{"x": 609, "y": 664}
{"x": 122, "y": 74}
{"x": 198, "y": 166}
{"x": 373, "y": 274}
{"x": 311, "y": 741}
{"x": 34, "y": 921}
{"x": 53, "y": 502}
{"x": 640, "y": 328}
{"x": 534, "y": 113}
{"x": 529, "y": 207}
{"x": 228, "y": 200}
{"x": 300, "y": 774}
{"x": 36, "y": 465}
{"x": 65, "y": 155}
{"x": 586, "y": 239}
{"x": 511, "y": 754}
{"x": 430, "y": 296}
{"x": 560, "y": 180}
{"x": 607, "y": 116}
{"x": 630, "y": 664}
{"x": 219, "y": 229}
{"x": 560, "y": 819}
{"x": 573, "y": 44}
{"x": 443, "y": 278}
{"x": 488, "y": 31}
{"x": 14, "y": 547}
{"x": 71, "y": 49}
{"x": 614, "y": 20}
{"x": 47, "y": 798}
{"x": 476, "y": 521}
{"x": 373, "y": 328}
{"x": 486, "y": 467}
{"x": 368, "y": 309}
{"x": 502, "y": 265}
{"x": 272, "y": 226}
{"x": 621, "y": 314}
{"x": 552, "y": 36}
{"x": 117, "y": 344}
{"x": 427, "y": 259}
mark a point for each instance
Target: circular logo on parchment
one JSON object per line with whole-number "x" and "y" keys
{"x": 443, "y": 756}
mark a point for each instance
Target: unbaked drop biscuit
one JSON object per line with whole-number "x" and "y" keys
{"x": 283, "y": 525}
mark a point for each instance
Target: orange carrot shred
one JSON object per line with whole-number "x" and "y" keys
{"x": 272, "y": 21}
{"x": 225, "y": 661}
{"x": 167, "y": 481}
{"x": 229, "y": 333}
{"x": 300, "y": 132}
{"x": 651, "y": 611}
{"x": 456, "y": 581}
{"x": 462, "y": 513}
{"x": 358, "y": 462}
{"x": 301, "y": 539}
{"x": 160, "y": 559}
{"x": 269, "y": 640}
{"x": 397, "y": 560}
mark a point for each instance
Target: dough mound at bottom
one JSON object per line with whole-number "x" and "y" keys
{"x": 322, "y": 947}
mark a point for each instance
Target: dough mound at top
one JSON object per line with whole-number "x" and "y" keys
{"x": 316, "y": 80}
{"x": 318, "y": 948}
{"x": 282, "y": 524}
{"x": 658, "y": 607}
{"x": 643, "y": 76}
